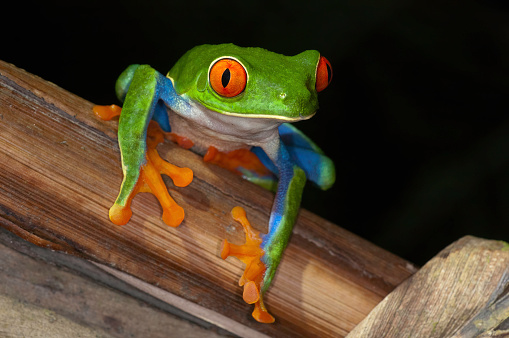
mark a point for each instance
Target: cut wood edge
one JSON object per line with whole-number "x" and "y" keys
{"x": 454, "y": 294}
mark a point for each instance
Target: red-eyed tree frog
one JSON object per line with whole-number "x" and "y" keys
{"x": 233, "y": 105}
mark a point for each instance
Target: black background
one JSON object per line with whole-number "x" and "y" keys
{"x": 415, "y": 119}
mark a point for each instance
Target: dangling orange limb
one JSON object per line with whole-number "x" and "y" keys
{"x": 250, "y": 254}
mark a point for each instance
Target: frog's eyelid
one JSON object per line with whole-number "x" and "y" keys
{"x": 227, "y": 57}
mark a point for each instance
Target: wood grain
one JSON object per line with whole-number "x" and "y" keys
{"x": 60, "y": 172}
{"x": 461, "y": 292}
{"x": 45, "y": 293}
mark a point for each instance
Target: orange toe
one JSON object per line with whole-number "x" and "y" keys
{"x": 120, "y": 215}
{"x": 174, "y": 215}
{"x": 251, "y": 294}
{"x": 261, "y": 314}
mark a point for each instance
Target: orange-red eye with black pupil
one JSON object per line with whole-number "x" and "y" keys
{"x": 323, "y": 74}
{"x": 228, "y": 77}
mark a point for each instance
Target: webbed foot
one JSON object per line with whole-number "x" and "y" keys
{"x": 150, "y": 179}
{"x": 250, "y": 254}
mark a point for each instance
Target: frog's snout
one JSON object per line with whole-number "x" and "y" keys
{"x": 302, "y": 103}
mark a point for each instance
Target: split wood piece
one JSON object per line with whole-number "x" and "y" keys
{"x": 45, "y": 293}
{"x": 461, "y": 292}
{"x": 60, "y": 172}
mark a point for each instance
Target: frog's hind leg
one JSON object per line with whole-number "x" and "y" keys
{"x": 243, "y": 162}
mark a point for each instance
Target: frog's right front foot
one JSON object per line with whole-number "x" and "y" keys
{"x": 149, "y": 178}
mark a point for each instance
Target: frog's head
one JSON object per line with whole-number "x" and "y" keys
{"x": 252, "y": 82}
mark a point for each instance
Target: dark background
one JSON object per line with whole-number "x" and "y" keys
{"x": 415, "y": 118}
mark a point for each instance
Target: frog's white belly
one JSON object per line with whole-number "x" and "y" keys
{"x": 207, "y": 128}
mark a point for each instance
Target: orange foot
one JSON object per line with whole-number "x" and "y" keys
{"x": 150, "y": 179}
{"x": 250, "y": 254}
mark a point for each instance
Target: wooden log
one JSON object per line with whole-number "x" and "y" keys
{"x": 60, "y": 172}
{"x": 461, "y": 292}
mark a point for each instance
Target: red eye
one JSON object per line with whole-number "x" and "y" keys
{"x": 323, "y": 74}
{"x": 228, "y": 77}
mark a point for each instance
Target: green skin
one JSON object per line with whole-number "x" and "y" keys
{"x": 270, "y": 74}
{"x": 279, "y": 89}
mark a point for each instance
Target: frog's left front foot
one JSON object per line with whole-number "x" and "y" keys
{"x": 250, "y": 254}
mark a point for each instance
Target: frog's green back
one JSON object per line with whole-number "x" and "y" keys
{"x": 278, "y": 86}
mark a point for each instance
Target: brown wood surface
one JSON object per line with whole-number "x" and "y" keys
{"x": 44, "y": 293}
{"x": 461, "y": 292}
{"x": 60, "y": 172}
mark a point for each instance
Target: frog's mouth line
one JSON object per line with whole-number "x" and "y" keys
{"x": 273, "y": 117}
{"x": 252, "y": 116}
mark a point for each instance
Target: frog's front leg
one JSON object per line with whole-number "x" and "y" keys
{"x": 138, "y": 138}
{"x": 262, "y": 253}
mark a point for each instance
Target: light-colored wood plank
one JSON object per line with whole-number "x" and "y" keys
{"x": 60, "y": 172}
{"x": 461, "y": 292}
